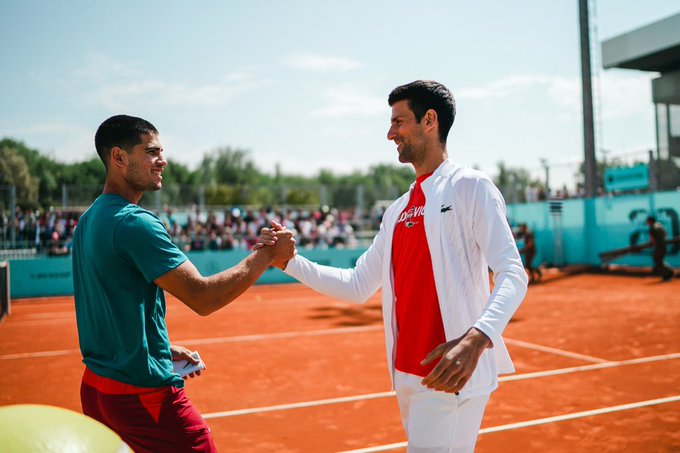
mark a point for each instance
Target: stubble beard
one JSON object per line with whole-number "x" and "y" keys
{"x": 411, "y": 154}
{"x": 137, "y": 178}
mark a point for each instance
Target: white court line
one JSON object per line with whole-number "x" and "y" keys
{"x": 555, "y": 351}
{"x": 280, "y": 336}
{"x": 287, "y": 335}
{"x": 539, "y": 421}
{"x": 281, "y": 407}
{"x": 596, "y": 366}
{"x": 370, "y": 396}
{"x": 386, "y": 447}
{"x": 218, "y": 340}
{"x": 324, "y": 332}
{"x": 582, "y": 414}
{"x": 32, "y": 355}
{"x": 176, "y": 311}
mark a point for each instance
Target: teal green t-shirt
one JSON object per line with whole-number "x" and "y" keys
{"x": 119, "y": 249}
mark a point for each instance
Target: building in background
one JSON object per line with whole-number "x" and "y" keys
{"x": 656, "y": 48}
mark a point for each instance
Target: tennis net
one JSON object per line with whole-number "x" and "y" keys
{"x": 4, "y": 289}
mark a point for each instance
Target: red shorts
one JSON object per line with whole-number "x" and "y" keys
{"x": 148, "y": 419}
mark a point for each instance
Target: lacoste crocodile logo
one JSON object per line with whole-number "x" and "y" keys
{"x": 446, "y": 208}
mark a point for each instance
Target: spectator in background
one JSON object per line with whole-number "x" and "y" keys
{"x": 657, "y": 235}
{"x": 315, "y": 228}
{"x": 214, "y": 241}
{"x": 529, "y": 252}
{"x": 192, "y": 230}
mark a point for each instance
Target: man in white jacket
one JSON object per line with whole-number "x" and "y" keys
{"x": 431, "y": 257}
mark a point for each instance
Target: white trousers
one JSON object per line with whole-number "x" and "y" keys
{"x": 437, "y": 422}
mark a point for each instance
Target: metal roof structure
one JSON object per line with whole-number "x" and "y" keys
{"x": 654, "y": 47}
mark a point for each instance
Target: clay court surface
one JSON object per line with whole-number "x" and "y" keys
{"x": 597, "y": 358}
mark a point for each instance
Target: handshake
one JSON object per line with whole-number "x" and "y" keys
{"x": 279, "y": 242}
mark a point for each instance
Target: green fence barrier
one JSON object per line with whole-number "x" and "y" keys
{"x": 580, "y": 230}
{"x": 43, "y": 277}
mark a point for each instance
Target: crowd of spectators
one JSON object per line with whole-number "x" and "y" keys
{"x": 46, "y": 231}
{"x": 239, "y": 229}
{"x": 50, "y": 232}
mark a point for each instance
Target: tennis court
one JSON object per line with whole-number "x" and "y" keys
{"x": 597, "y": 358}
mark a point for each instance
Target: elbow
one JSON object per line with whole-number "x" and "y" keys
{"x": 200, "y": 302}
{"x": 359, "y": 300}
{"x": 203, "y": 311}
{"x": 357, "y": 297}
{"x": 521, "y": 283}
{"x": 362, "y": 291}
{"x": 197, "y": 306}
{"x": 519, "y": 276}
{"x": 207, "y": 306}
{"x": 516, "y": 277}
{"x": 524, "y": 279}
{"x": 209, "y": 303}
{"x": 365, "y": 297}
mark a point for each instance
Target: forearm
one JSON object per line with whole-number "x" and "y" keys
{"x": 205, "y": 295}
{"x": 495, "y": 239}
{"x": 223, "y": 288}
{"x": 509, "y": 290}
{"x": 349, "y": 284}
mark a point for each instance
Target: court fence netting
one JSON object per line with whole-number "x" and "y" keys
{"x": 4, "y": 289}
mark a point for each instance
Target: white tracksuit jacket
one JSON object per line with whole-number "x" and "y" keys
{"x": 467, "y": 233}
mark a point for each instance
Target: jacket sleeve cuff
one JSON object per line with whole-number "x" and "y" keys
{"x": 293, "y": 266}
{"x": 488, "y": 331}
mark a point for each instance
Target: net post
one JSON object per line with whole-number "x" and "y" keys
{"x": 4, "y": 289}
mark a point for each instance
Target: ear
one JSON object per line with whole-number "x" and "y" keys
{"x": 430, "y": 119}
{"x": 118, "y": 156}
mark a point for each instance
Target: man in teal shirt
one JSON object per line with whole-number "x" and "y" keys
{"x": 123, "y": 260}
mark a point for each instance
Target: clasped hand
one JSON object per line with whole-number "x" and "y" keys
{"x": 278, "y": 236}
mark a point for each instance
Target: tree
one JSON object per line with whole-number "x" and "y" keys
{"x": 228, "y": 166}
{"x": 43, "y": 169}
{"x": 178, "y": 173}
{"x": 512, "y": 183}
{"x": 302, "y": 197}
{"x": 384, "y": 175}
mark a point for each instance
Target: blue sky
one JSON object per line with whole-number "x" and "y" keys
{"x": 304, "y": 83}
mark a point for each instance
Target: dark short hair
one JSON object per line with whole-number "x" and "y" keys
{"x": 651, "y": 218}
{"x": 423, "y": 95}
{"x": 123, "y": 131}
